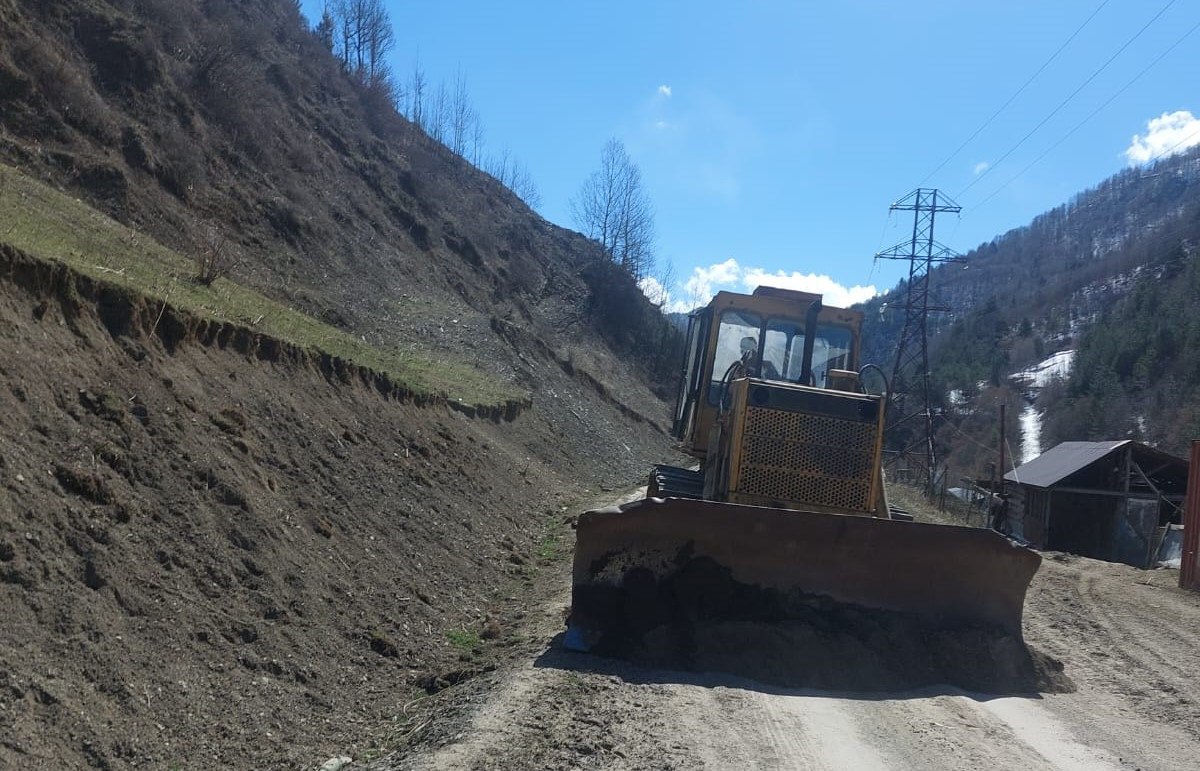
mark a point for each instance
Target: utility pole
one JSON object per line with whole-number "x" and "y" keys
{"x": 1002, "y": 442}
{"x": 910, "y": 423}
{"x": 1002, "y": 523}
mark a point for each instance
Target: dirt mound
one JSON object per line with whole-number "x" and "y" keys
{"x": 698, "y": 618}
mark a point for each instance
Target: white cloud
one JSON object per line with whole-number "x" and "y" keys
{"x": 662, "y": 125}
{"x": 706, "y": 281}
{"x": 980, "y": 167}
{"x": 832, "y": 292}
{"x": 664, "y": 90}
{"x": 654, "y": 290}
{"x": 1167, "y": 134}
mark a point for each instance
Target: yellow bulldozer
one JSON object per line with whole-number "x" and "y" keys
{"x": 783, "y": 533}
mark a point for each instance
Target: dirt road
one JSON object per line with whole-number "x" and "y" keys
{"x": 1127, "y": 638}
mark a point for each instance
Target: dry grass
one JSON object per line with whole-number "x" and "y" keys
{"x": 49, "y": 225}
{"x": 913, "y": 500}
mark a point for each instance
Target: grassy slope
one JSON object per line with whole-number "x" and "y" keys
{"x": 52, "y": 226}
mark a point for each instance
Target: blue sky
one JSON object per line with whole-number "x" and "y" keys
{"x": 772, "y": 136}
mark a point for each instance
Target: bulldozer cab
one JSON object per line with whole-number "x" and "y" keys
{"x": 776, "y": 335}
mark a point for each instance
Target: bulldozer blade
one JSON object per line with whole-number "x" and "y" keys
{"x": 689, "y": 564}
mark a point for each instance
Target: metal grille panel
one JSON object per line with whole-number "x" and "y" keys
{"x": 802, "y": 458}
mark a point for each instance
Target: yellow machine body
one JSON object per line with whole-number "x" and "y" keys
{"x": 787, "y": 512}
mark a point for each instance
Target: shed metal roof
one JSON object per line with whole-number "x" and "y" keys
{"x": 1061, "y": 461}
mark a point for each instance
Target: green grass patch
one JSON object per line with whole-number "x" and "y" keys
{"x": 552, "y": 545}
{"x": 464, "y": 639}
{"x": 50, "y": 225}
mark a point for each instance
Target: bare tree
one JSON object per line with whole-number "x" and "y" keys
{"x": 477, "y": 143}
{"x": 614, "y": 208}
{"x": 515, "y": 176}
{"x": 213, "y": 256}
{"x": 439, "y": 122}
{"x": 344, "y": 36}
{"x": 364, "y": 37}
{"x": 665, "y": 277}
{"x": 500, "y": 166}
{"x": 416, "y": 96}
{"x": 462, "y": 115}
{"x": 521, "y": 182}
{"x": 378, "y": 40}
{"x": 326, "y": 28}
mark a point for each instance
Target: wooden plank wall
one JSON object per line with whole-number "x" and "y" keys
{"x": 1189, "y": 573}
{"x": 1036, "y": 516}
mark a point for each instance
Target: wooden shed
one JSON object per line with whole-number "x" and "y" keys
{"x": 1107, "y": 500}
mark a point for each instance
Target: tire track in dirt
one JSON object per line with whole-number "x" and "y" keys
{"x": 834, "y": 739}
{"x": 738, "y": 727}
{"x": 747, "y": 727}
{"x": 496, "y": 723}
{"x": 1128, "y": 639}
{"x": 1149, "y": 626}
{"x": 1036, "y": 729}
{"x": 929, "y": 729}
{"x": 1163, "y": 654}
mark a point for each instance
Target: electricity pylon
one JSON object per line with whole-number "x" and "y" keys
{"x": 910, "y": 374}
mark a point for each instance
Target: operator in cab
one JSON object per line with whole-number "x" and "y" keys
{"x": 749, "y": 348}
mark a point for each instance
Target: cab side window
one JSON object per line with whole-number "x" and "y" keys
{"x": 783, "y": 350}
{"x": 735, "y": 325}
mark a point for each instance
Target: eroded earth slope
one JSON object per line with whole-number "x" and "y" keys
{"x": 216, "y": 551}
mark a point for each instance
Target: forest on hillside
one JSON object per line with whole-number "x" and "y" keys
{"x": 1110, "y": 273}
{"x": 1136, "y": 373}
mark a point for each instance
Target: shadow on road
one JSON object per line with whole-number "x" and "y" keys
{"x": 887, "y": 681}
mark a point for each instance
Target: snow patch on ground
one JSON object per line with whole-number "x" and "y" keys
{"x": 1031, "y": 381}
{"x": 1031, "y": 433}
{"x": 1055, "y": 367}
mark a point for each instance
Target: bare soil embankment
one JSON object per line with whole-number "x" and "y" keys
{"x": 215, "y": 555}
{"x": 224, "y": 547}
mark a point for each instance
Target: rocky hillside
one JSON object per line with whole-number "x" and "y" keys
{"x": 180, "y": 118}
{"x": 251, "y": 522}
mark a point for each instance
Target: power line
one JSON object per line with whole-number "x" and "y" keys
{"x": 1016, "y": 93}
{"x": 1094, "y": 113}
{"x": 1069, "y": 98}
{"x": 967, "y": 436}
{"x": 878, "y": 249}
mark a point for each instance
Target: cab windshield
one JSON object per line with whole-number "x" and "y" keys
{"x": 774, "y": 349}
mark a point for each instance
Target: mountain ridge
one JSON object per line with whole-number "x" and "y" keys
{"x": 1045, "y": 287}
